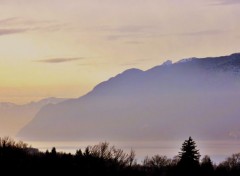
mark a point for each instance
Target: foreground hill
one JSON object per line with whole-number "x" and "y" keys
{"x": 197, "y": 96}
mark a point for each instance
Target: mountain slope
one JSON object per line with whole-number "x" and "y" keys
{"x": 198, "y": 97}
{"x": 13, "y": 117}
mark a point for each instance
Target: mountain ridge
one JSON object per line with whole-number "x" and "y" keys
{"x": 140, "y": 104}
{"x": 18, "y": 115}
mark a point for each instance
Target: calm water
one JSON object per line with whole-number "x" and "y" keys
{"x": 217, "y": 150}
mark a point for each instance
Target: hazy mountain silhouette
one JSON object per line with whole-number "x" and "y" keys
{"x": 197, "y": 96}
{"x": 13, "y": 117}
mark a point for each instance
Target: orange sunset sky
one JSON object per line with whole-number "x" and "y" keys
{"x": 63, "y": 48}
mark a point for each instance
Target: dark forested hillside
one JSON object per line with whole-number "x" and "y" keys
{"x": 103, "y": 159}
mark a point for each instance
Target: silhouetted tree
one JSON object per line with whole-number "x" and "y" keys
{"x": 207, "y": 168}
{"x": 53, "y": 151}
{"x": 231, "y": 166}
{"x": 189, "y": 154}
{"x": 189, "y": 157}
{"x": 87, "y": 152}
{"x": 79, "y": 153}
{"x": 156, "y": 165}
{"x": 233, "y": 161}
{"x": 175, "y": 160}
{"x": 131, "y": 158}
{"x": 47, "y": 152}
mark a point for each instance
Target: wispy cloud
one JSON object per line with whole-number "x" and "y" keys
{"x": 18, "y": 25}
{"x": 130, "y": 36}
{"x": 6, "y": 21}
{"x": 226, "y": 2}
{"x": 136, "y": 33}
{"x": 11, "y": 31}
{"x": 129, "y": 32}
{"x": 135, "y": 36}
{"x": 125, "y": 28}
{"x": 234, "y": 133}
{"x": 59, "y": 60}
{"x": 136, "y": 28}
{"x": 201, "y": 33}
{"x": 17, "y": 21}
{"x": 133, "y": 42}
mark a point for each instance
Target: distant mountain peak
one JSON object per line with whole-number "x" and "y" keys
{"x": 235, "y": 54}
{"x": 132, "y": 71}
{"x": 186, "y": 60}
{"x": 42, "y": 102}
{"x": 49, "y": 100}
{"x": 167, "y": 63}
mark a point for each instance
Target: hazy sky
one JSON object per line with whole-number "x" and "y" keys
{"x": 63, "y": 48}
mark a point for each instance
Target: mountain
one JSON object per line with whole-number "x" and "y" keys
{"x": 13, "y": 117}
{"x": 196, "y": 96}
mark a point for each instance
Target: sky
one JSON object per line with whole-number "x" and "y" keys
{"x": 63, "y": 48}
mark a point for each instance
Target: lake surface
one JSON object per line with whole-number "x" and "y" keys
{"x": 217, "y": 150}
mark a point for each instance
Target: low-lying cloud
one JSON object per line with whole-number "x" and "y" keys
{"x": 201, "y": 33}
{"x": 227, "y": 2}
{"x": 11, "y": 31}
{"x": 6, "y": 21}
{"x": 59, "y": 60}
{"x": 18, "y": 25}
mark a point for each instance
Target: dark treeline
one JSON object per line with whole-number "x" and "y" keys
{"x": 103, "y": 159}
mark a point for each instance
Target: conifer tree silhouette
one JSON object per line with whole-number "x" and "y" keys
{"x": 189, "y": 157}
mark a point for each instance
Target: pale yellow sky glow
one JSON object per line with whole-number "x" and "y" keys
{"x": 63, "y": 48}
